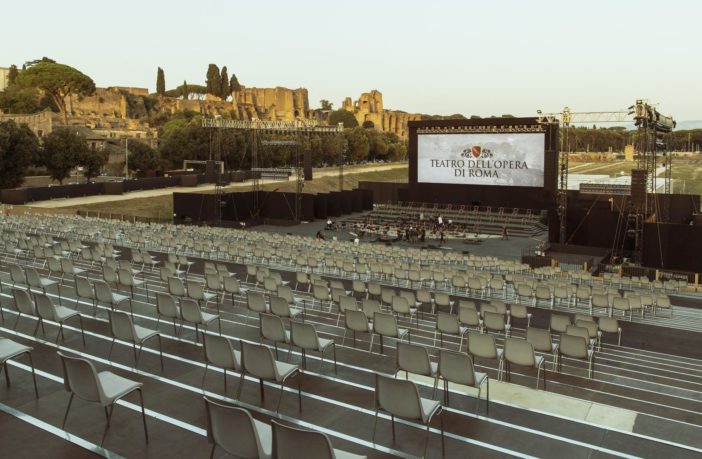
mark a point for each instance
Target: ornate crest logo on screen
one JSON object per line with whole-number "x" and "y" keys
{"x": 476, "y": 151}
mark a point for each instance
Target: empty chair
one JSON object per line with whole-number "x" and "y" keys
{"x": 85, "y": 291}
{"x": 166, "y": 307}
{"x": 104, "y": 294}
{"x": 385, "y": 324}
{"x": 370, "y": 307}
{"x": 621, "y": 304}
{"x": 449, "y": 323}
{"x": 400, "y": 305}
{"x": 609, "y": 325}
{"x": 494, "y": 321}
{"x": 272, "y": 328}
{"x": 321, "y": 293}
{"x": 424, "y": 298}
{"x": 36, "y": 281}
{"x": 68, "y": 268}
{"x": 374, "y": 290}
{"x": 295, "y": 443}
{"x": 305, "y": 337}
{"x": 543, "y": 293}
{"x": 256, "y": 302}
{"x": 236, "y": 432}
{"x": 457, "y": 367}
{"x": 559, "y": 323}
{"x": 219, "y": 352}
{"x": 576, "y": 347}
{"x": 591, "y": 327}
{"x": 541, "y": 340}
{"x": 345, "y": 302}
{"x": 122, "y": 327}
{"x": 386, "y": 296}
{"x": 400, "y": 398}
{"x": 191, "y": 312}
{"x": 442, "y": 300}
{"x": 24, "y": 305}
{"x": 356, "y": 321}
{"x": 59, "y": 314}
{"x": 525, "y": 293}
{"x": 18, "y": 277}
{"x": 8, "y": 351}
{"x": 302, "y": 278}
{"x": 599, "y": 300}
{"x": 520, "y": 311}
{"x": 176, "y": 288}
{"x": 197, "y": 293}
{"x": 126, "y": 278}
{"x": 662, "y": 302}
{"x": 281, "y": 308}
{"x": 231, "y": 286}
{"x": 82, "y": 380}
{"x": 258, "y": 361}
{"x": 521, "y": 352}
{"x": 483, "y": 346}
{"x": 470, "y": 318}
{"x": 413, "y": 358}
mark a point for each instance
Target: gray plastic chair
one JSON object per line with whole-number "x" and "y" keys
{"x": 400, "y": 305}
{"x": 167, "y": 307}
{"x": 197, "y": 293}
{"x": 576, "y": 347}
{"x": 449, "y": 323}
{"x": 483, "y": 345}
{"x": 281, "y": 308}
{"x": 413, "y": 358}
{"x": 494, "y": 321}
{"x": 256, "y": 302}
{"x": 219, "y": 352}
{"x": 82, "y": 380}
{"x": 192, "y": 313}
{"x": 559, "y": 323}
{"x": 457, "y": 367}
{"x": 126, "y": 278}
{"x": 521, "y": 352}
{"x": 104, "y": 294}
{"x": 24, "y": 305}
{"x": 59, "y": 314}
{"x": 541, "y": 340}
{"x": 356, "y": 321}
{"x": 385, "y": 324}
{"x": 272, "y": 328}
{"x": 85, "y": 291}
{"x": 122, "y": 327}
{"x": 258, "y": 361}
{"x": 9, "y": 350}
{"x": 400, "y": 398}
{"x": 41, "y": 283}
{"x": 231, "y": 286}
{"x": 306, "y": 338}
{"x": 234, "y": 430}
{"x": 295, "y": 443}
{"x": 345, "y": 303}
{"x": 609, "y": 325}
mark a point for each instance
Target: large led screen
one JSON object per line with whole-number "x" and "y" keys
{"x": 505, "y": 159}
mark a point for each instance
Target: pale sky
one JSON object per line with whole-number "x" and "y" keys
{"x": 436, "y": 57}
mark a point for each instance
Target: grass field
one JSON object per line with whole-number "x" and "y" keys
{"x": 162, "y": 206}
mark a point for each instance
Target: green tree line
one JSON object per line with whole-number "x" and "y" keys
{"x": 61, "y": 151}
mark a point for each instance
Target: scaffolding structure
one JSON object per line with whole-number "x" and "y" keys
{"x": 293, "y": 130}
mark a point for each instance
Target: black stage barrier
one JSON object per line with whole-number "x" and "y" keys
{"x": 320, "y": 205}
{"x": 673, "y": 246}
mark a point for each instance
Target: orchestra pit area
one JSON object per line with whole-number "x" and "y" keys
{"x": 133, "y": 340}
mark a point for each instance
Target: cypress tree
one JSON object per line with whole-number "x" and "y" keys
{"x": 160, "y": 82}
{"x": 226, "y": 89}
